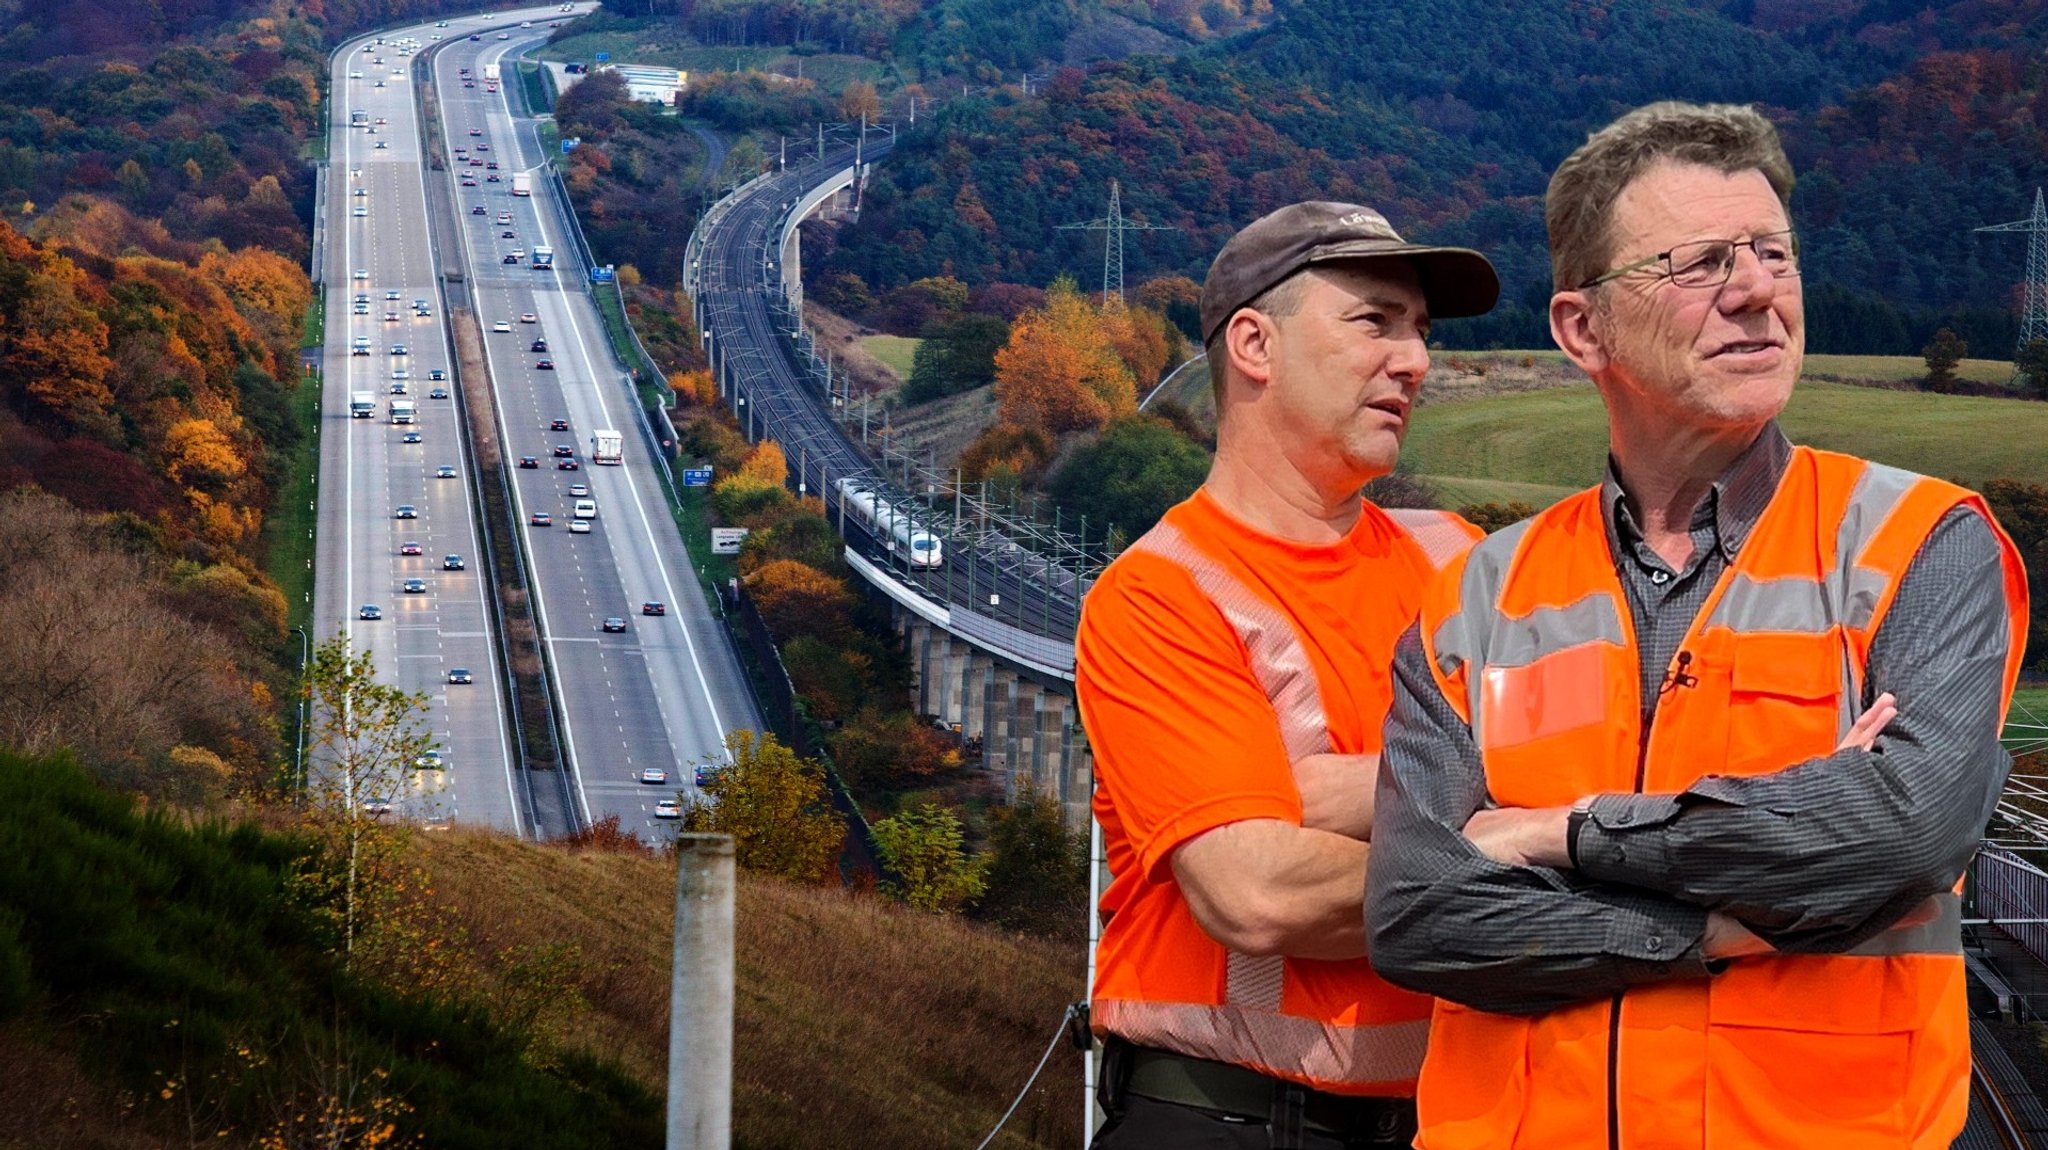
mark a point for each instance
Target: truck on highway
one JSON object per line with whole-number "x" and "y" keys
{"x": 890, "y": 524}
{"x": 358, "y": 117}
{"x": 607, "y": 447}
{"x": 362, "y": 405}
{"x": 522, "y": 184}
{"x": 404, "y": 410}
{"x": 543, "y": 258}
{"x": 491, "y": 73}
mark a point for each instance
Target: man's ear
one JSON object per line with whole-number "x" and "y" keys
{"x": 1248, "y": 340}
{"x": 1578, "y": 327}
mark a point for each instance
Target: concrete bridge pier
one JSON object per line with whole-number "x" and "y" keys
{"x": 1026, "y": 721}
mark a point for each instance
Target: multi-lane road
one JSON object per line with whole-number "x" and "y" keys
{"x": 658, "y": 695}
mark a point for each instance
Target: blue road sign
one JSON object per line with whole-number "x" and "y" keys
{"x": 601, "y": 275}
{"x": 696, "y": 477}
{"x": 603, "y": 56}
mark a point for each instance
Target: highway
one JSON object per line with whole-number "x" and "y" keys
{"x": 663, "y": 693}
{"x": 375, "y": 246}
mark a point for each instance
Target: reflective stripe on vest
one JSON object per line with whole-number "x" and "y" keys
{"x": 1847, "y": 599}
{"x": 1248, "y": 1028}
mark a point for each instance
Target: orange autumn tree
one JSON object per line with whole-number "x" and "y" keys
{"x": 1060, "y": 371}
{"x": 796, "y": 599}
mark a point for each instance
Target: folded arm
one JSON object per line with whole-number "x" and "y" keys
{"x": 1823, "y": 855}
{"x": 1444, "y": 919}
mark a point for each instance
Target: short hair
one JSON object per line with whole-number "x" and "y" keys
{"x": 1278, "y": 302}
{"x": 1579, "y": 206}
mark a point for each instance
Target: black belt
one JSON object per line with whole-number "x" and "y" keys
{"x": 1241, "y": 1092}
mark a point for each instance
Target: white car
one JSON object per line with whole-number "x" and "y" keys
{"x": 501, "y": 327}
{"x": 526, "y": 316}
{"x": 360, "y": 211}
{"x": 668, "y": 809}
{"x": 579, "y": 527}
{"x": 356, "y": 74}
{"x": 653, "y": 775}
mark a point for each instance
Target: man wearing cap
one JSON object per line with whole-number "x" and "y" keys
{"x": 1683, "y": 773}
{"x": 1231, "y": 668}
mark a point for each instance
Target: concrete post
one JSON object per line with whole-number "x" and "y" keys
{"x": 700, "y": 996}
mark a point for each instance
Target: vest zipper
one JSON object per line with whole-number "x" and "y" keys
{"x": 1614, "y": 1074}
{"x": 1614, "y": 1010}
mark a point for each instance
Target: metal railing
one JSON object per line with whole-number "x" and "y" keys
{"x": 2012, "y": 894}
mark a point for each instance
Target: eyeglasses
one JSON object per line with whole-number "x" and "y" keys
{"x": 1709, "y": 263}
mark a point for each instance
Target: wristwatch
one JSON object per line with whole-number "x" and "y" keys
{"x": 1573, "y": 824}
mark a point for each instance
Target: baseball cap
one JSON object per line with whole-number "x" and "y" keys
{"x": 1455, "y": 281}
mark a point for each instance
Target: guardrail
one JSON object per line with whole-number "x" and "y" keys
{"x": 2012, "y": 894}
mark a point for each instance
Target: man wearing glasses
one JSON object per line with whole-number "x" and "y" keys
{"x": 1682, "y": 774}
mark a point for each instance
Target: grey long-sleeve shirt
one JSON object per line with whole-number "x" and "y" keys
{"x": 1818, "y": 857}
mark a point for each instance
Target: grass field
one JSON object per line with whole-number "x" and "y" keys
{"x": 1899, "y": 368}
{"x": 662, "y": 43}
{"x": 1557, "y": 437}
{"x": 896, "y": 352}
{"x": 2026, "y": 725}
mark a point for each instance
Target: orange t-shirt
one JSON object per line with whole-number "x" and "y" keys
{"x": 1209, "y": 658}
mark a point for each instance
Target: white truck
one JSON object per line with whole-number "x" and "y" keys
{"x": 362, "y": 405}
{"x": 606, "y": 447}
{"x": 522, "y": 184}
{"x": 491, "y": 73}
{"x": 404, "y": 410}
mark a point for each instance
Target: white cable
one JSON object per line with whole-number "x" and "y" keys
{"x": 1065, "y": 1019}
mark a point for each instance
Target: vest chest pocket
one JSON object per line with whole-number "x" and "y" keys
{"x": 1784, "y": 700}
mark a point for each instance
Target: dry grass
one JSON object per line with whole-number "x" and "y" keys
{"x": 846, "y": 340}
{"x": 942, "y": 429}
{"x": 857, "y": 1021}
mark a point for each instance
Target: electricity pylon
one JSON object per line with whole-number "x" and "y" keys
{"x": 1115, "y": 226}
{"x": 2034, "y": 295}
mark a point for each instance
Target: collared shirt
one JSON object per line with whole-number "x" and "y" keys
{"x": 1816, "y": 858}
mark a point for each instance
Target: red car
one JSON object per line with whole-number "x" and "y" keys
{"x": 653, "y": 608}
{"x": 540, "y": 519}
{"x": 558, "y": 425}
{"x": 544, "y": 365}
{"x": 409, "y": 549}
{"x": 567, "y": 465}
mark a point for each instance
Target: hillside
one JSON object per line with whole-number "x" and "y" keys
{"x": 1374, "y": 102}
{"x": 852, "y": 1013}
{"x": 160, "y": 974}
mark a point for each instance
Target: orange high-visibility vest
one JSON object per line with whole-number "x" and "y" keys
{"x": 1532, "y": 641}
{"x": 1333, "y": 1026}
